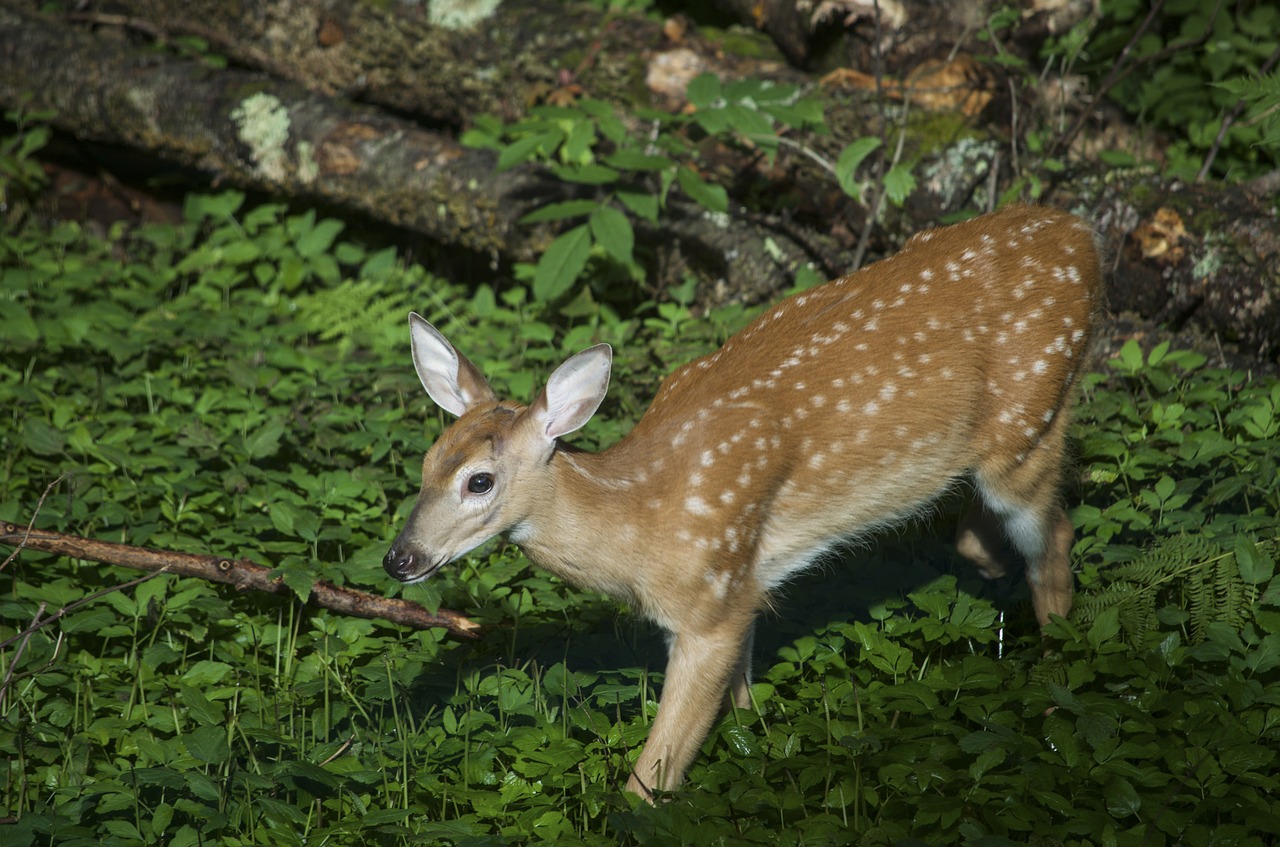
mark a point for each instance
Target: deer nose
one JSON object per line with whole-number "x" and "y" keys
{"x": 399, "y": 563}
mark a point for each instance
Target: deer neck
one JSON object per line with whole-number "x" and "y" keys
{"x": 588, "y": 524}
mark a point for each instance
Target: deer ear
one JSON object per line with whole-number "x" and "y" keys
{"x": 575, "y": 391}
{"x": 449, "y": 377}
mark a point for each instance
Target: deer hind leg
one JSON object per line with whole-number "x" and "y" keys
{"x": 1019, "y": 508}
{"x": 981, "y": 539}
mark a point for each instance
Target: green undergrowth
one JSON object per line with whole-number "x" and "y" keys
{"x": 240, "y": 384}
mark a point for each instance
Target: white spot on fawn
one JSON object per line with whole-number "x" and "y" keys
{"x": 695, "y": 505}
{"x": 720, "y": 582}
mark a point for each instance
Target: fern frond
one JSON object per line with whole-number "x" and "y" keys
{"x": 1262, "y": 94}
{"x": 350, "y": 310}
{"x": 1200, "y": 600}
{"x": 1254, "y": 88}
{"x": 1189, "y": 569}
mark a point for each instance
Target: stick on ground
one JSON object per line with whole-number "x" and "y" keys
{"x": 241, "y": 573}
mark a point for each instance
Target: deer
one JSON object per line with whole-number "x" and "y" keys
{"x": 841, "y": 411}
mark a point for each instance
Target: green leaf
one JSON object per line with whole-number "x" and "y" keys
{"x": 244, "y": 252}
{"x": 749, "y": 121}
{"x": 804, "y": 112}
{"x": 578, "y": 143}
{"x": 265, "y": 440}
{"x": 899, "y": 182}
{"x": 703, "y": 90}
{"x": 216, "y": 206}
{"x": 199, "y": 707}
{"x": 612, "y": 231}
{"x": 1255, "y": 564}
{"x": 42, "y": 439}
{"x": 1122, "y": 798}
{"x": 850, "y": 158}
{"x": 300, "y": 581}
{"x": 634, "y": 160}
{"x": 123, "y": 830}
{"x": 641, "y": 204}
{"x": 742, "y": 740}
{"x": 208, "y": 744}
{"x": 16, "y": 324}
{"x": 586, "y": 174}
{"x": 561, "y": 264}
{"x": 161, "y": 818}
{"x": 713, "y": 121}
{"x": 1129, "y": 359}
{"x": 1105, "y": 628}
{"x": 522, "y": 149}
{"x": 283, "y": 516}
{"x": 560, "y": 211}
{"x": 703, "y": 193}
{"x": 379, "y": 264}
{"x": 206, "y": 672}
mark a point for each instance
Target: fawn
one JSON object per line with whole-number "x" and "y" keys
{"x": 842, "y": 410}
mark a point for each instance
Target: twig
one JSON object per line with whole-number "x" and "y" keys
{"x": 345, "y": 746}
{"x": 822, "y": 161}
{"x": 873, "y": 208}
{"x": 1230, "y": 119}
{"x": 39, "y": 622}
{"x": 1118, "y": 70}
{"x": 993, "y": 178}
{"x": 1062, "y": 142}
{"x": 241, "y": 573}
{"x": 17, "y": 656}
{"x": 35, "y": 514}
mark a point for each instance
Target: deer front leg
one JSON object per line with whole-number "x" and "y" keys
{"x": 740, "y": 685}
{"x": 700, "y": 668}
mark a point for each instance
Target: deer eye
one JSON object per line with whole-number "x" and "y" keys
{"x": 480, "y": 483}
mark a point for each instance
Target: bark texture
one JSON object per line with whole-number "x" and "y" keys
{"x": 444, "y": 69}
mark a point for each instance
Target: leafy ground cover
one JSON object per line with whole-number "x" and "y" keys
{"x": 240, "y": 384}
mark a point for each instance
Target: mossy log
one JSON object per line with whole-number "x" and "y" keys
{"x": 260, "y": 132}
{"x": 442, "y": 62}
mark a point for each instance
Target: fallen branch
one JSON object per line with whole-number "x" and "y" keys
{"x": 241, "y": 573}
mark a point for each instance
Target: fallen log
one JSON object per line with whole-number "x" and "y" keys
{"x": 262, "y": 133}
